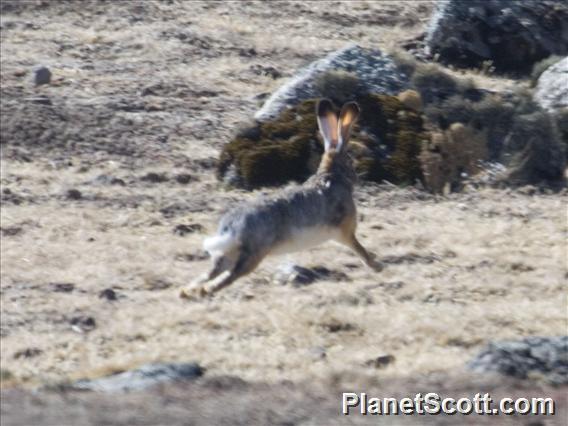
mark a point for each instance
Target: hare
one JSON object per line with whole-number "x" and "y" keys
{"x": 293, "y": 219}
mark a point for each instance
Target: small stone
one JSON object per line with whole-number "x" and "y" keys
{"x": 317, "y": 352}
{"x": 183, "y": 178}
{"x": 154, "y": 284}
{"x": 300, "y": 276}
{"x": 381, "y": 361}
{"x": 74, "y": 194}
{"x": 42, "y": 100}
{"x": 28, "y": 353}
{"x": 108, "y": 294}
{"x": 10, "y": 231}
{"x": 62, "y": 287}
{"x": 42, "y": 75}
{"x": 5, "y": 375}
{"x": 192, "y": 257}
{"x": 155, "y": 177}
{"x": 182, "y": 230}
{"x": 83, "y": 324}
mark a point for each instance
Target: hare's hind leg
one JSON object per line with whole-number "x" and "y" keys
{"x": 220, "y": 264}
{"x": 245, "y": 264}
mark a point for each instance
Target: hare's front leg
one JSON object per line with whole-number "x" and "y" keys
{"x": 353, "y": 243}
{"x": 349, "y": 239}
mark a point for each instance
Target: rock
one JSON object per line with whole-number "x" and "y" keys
{"x": 42, "y": 75}
{"x": 155, "y": 177}
{"x": 192, "y": 257}
{"x": 28, "y": 353}
{"x": 381, "y": 361}
{"x": 317, "y": 353}
{"x": 182, "y": 229}
{"x": 105, "y": 179}
{"x": 155, "y": 284}
{"x": 141, "y": 378}
{"x": 62, "y": 287}
{"x": 552, "y": 87}
{"x": 74, "y": 194}
{"x": 376, "y": 72}
{"x": 512, "y": 35}
{"x": 265, "y": 71}
{"x": 108, "y": 294}
{"x": 10, "y": 231}
{"x": 5, "y": 375}
{"x": 41, "y": 100}
{"x": 531, "y": 357}
{"x": 299, "y": 276}
{"x": 83, "y": 324}
{"x": 183, "y": 178}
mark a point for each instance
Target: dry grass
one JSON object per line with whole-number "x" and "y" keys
{"x": 461, "y": 271}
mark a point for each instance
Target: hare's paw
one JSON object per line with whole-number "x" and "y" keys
{"x": 193, "y": 293}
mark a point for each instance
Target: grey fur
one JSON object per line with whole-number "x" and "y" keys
{"x": 324, "y": 200}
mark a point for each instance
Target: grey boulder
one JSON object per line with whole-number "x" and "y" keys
{"x": 531, "y": 357}
{"x": 141, "y": 378}
{"x": 552, "y": 87}
{"x": 42, "y": 75}
{"x": 375, "y": 72}
{"x": 513, "y": 35}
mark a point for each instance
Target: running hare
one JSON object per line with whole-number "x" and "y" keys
{"x": 294, "y": 219}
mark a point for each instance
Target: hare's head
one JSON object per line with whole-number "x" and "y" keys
{"x": 335, "y": 130}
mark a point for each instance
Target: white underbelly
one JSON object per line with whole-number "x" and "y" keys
{"x": 305, "y": 239}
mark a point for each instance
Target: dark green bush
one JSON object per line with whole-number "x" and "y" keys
{"x": 385, "y": 145}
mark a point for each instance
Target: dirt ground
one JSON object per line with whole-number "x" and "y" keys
{"x": 105, "y": 170}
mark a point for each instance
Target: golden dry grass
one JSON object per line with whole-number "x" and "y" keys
{"x": 473, "y": 268}
{"x": 462, "y": 271}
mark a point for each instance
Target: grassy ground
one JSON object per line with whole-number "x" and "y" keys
{"x": 158, "y": 88}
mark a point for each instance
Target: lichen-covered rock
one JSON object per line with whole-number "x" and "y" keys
{"x": 513, "y": 35}
{"x": 376, "y": 72}
{"x": 532, "y": 357}
{"x": 385, "y": 145}
{"x": 552, "y": 87}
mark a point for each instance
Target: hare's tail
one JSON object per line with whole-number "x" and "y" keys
{"x": 220, "y": 244}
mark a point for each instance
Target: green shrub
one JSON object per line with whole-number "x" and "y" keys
{"x": 561, "y": 118}
{"x": 433, "y": 84}
{"x": 537, "y": 154}
{"x": 452, "y": 155}
{"x": 339, "y": 86}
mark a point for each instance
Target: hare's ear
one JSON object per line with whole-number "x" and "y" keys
{"x": 347, "y": 118}
{"x": 327, "y": 122}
